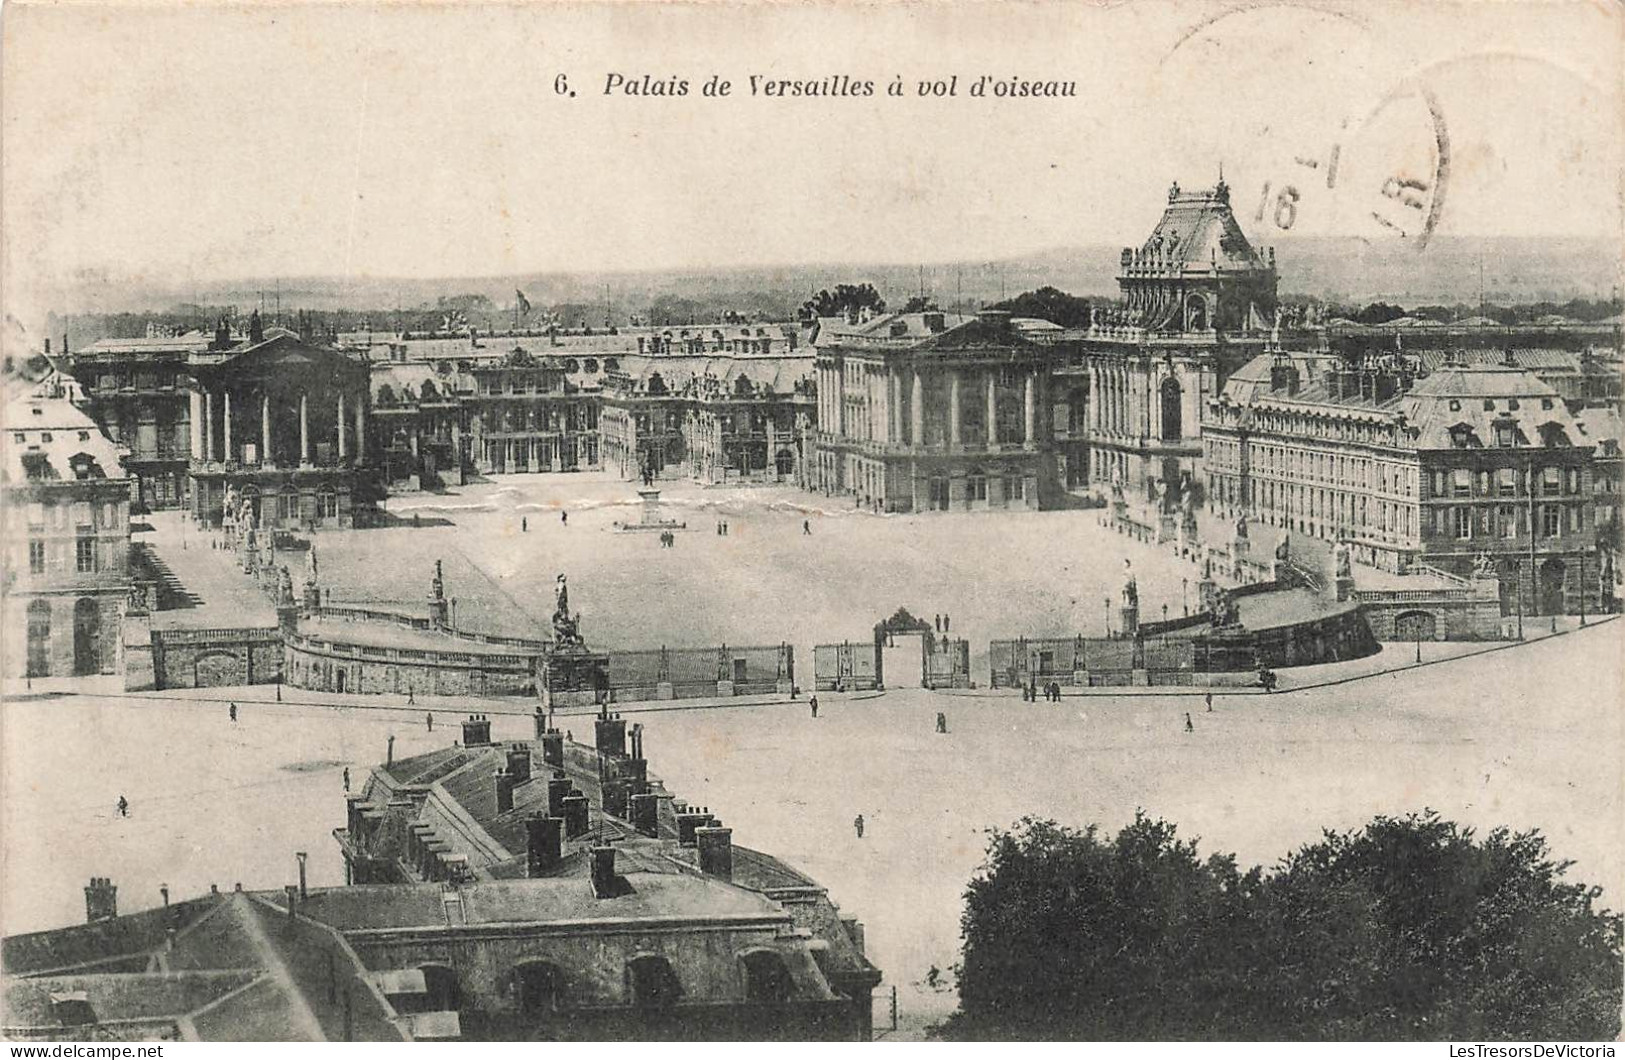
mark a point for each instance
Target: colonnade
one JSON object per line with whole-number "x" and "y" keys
{"x": 216, "y": 413}
{"x": 865, "y": 402}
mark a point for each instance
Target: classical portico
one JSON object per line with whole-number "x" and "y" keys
{"x": 927, "y": 414}
{"x": 285, "y": 423}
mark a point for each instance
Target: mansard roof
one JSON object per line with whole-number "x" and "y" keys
{"x": 1199, "y": 230}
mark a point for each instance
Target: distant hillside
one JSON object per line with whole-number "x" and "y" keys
{"x": 1333, "y": 269}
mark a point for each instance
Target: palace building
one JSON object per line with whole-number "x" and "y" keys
{"x": 1468, "y": 468}
{"x": 1197, "y": 302}
{"x": 931, "y": 412}
{"x": 65, "y": 498}
{"x": 282, "y": 423}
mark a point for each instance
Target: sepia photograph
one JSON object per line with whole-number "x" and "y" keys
{"x": 934, "y": 521}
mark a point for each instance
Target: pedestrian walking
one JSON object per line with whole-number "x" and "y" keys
{"x": 806, "y": 528}
{"x": 938, "y": 620}
{"x": 1210, "y": 702}
{"x": 814, "y": 704}
{"x": 411, "y": 696}
{"x": 234, "y": 712}
{"x": 124, "y": 810}
{"x": 279, "y": 691}
{"x": 564, "y": 518}
{"x": 524, "y": 524}
{"x": 1188, "y": 726}
{"x": 942, "y": 722}
{"x": 857, "y": 824}
{"x": 346, "y": 778}
{"x": 429, "y": 720}
{"x": 945, "y": 623}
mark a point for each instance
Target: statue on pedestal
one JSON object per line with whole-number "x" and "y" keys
{"x": 437, "y": 588}
{"x": 310, "y": 565}
{"x": 284, "y": 593}
{"x": 1344, "y": 560}
{"x": 565, "y": 629}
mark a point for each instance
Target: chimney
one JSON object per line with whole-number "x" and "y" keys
{"x": 101, "y": 900}
{"x": 352, "y": 816}
{"x": 504, "y": 791}
{"x": 687, "y": 822}
{"x": 256, "y": 328}
{"x": 291, "y": 892}
{"x": 935, "y": 322}
{"x": 389, "y": 756}
{"x": 553, "y": 748}
{"x": 716, "y": 851}
{"x": 637, "y": 740}
{"x": 609, "y": 735}
{"x": 544, "y": 844}
{"x": 540, "y": 720}
{"x": 519, "y": 763}
{"x": 47, "y": 345}
{"x": 303, "y": 891}
{"x": 646, "y": 814}
{"x": 617, "y": 795}
{"x": 1387, "y": 386}
{"x": 163, "y": 890}
{"x": 476, "y": 731}
{"x": 575, "y": 815}
{"x": 558, "y": 788}
{"x": 603, "y": 872}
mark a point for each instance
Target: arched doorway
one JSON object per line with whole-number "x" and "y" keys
{"x": 87, "y": 631}
{"x": 338, "y": 680}
{"x": 39, "y": 638}
{"x": 785, "y": 460}
{"x": 1172, "y": 410}
{"x": 1551, "y": 587}
{"x": 1414, "y": 625}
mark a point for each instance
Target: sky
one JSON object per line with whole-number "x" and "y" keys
{"x": 162, "y": 142}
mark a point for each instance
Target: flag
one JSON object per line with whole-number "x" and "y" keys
{"x": 524, "y": 303}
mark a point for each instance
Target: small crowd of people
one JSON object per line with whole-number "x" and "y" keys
{"x": 722, "y": 528}
{"x": 668, "y": 539}
{"x": 1051, "y": 690}
{"x": 942, "y": 623}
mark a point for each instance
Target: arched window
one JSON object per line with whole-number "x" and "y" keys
{"x": 540, "y": 986}
{"x": 1172, "y": 410}
{"x": 87, "y": 633}
{"x": 766, "y": 977}
{"x": 39, "y": 638}
{"x": 651, "y": 983}
{"x": 1196, "y": 313}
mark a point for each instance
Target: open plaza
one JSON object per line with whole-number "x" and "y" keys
{"x": 1486, "y": 734}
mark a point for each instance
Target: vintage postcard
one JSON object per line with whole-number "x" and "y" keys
{"x": 812, "y": 522}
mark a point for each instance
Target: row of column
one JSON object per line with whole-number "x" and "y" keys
{"x": 874, "y": 411}
{"x": 203, "y": 412}
{"x": 1118, "y": 401}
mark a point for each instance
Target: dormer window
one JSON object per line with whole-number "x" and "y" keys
{"x": 1512, "y": 404}
{"x": 1455, "y": 406}
{"x": 1489, "y": 404}
{"x": 1545, "y": 403}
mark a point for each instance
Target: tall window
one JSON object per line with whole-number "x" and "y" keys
{"x": 1464, "y": 523}
{"x": 1551, "y": 519}
{"x": 1506, "y": 483}
{"x": 84, "y": 553}
{"x": 36, "y": 557}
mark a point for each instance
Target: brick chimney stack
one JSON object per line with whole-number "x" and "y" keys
{"x": 101, "y": 900}
{"x": 716, "y": 851}
{"x": 544, "y": 844}
{"x": 603, "y": 872}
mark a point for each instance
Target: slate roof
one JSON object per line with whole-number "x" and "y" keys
{"x": 75, "y": 439}
{"x": 1199, "y": 229}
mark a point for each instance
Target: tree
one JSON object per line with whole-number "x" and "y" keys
{"x": 1378, "y": 313}
{"x": 386, "y": 396}
{"x": 844, "y": 298}
{"x": 1051, "y": 304}
{"x": 920, "y": 303}
{"x": 1411, "y": 928}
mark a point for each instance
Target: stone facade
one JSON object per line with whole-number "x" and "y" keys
{"x": 66, "y": 508}
{"x": 932, "y": 412}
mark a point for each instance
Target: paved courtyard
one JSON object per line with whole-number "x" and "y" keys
{"x": 993, "y": 574}
{"x": 1529, "y": 737}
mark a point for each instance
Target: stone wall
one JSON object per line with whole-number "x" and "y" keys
{"x": 208, "y": 658}
{"x": 328, "y": 666}
{"x": 61, "y": 658}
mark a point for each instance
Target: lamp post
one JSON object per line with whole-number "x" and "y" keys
{"x": 1185, "y": 595}
{"x": 1107, "y": 602}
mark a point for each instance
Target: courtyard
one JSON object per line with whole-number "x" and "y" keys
{"x": 1497, "y": 738}
{"x": 1528, "y": 736}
